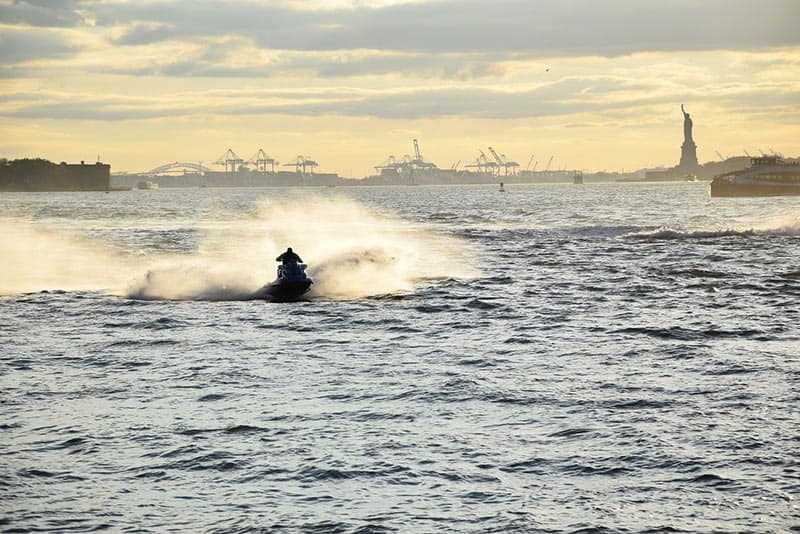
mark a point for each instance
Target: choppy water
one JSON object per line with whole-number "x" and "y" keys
{"x": 604, "y": 358}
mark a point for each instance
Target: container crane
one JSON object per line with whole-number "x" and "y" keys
{"x": 390, "y": 165}
{"x": 495, "y": 156}
{"x": 479, "y": 164}
{"x": 418, "y": 162}
{"x": 497, "y": 159}
{"x": 261, "y": 160}
{"x": 488, "y": 166}
{"x": 503, "y": 162}
{"x": 230, "y": 160}
{"x": 303, "y": 165}
{"x": 513, "y": 165}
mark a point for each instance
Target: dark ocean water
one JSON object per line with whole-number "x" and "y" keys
{"x": 598, "y": 358}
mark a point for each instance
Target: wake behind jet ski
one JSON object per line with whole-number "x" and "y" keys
{"x": 292, "y": 281}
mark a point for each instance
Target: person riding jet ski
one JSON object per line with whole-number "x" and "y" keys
{"x": 289, "y": 257}
{"x": 292, "y": 281}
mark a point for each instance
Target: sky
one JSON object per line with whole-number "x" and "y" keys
{"x": 596, "y": 84}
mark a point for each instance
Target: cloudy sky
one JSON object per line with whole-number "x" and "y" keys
{"x": 597, "y": 84}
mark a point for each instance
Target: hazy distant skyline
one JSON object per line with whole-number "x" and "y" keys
{"x": 597, "y": 84}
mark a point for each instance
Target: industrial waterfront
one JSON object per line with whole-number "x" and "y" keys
{"x": 263, "y": 170}
{"x": 414, "y": 169}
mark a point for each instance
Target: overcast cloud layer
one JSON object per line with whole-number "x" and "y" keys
{"x": 567, "y": 27}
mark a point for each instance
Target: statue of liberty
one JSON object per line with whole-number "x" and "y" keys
{"x": 688, "y": 149}
{"x": 687, "y": 127}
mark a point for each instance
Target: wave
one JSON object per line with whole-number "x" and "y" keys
{"x": 667, "y": 233}
{"x": 780, "y": 225}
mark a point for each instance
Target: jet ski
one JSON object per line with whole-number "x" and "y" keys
{"x": 291, "y": 284}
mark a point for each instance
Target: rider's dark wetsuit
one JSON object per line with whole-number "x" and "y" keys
{"x": 289, "y": 257}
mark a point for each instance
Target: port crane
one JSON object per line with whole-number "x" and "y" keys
{"x": 303, "y": 165}
{"x": 481, "y": 163}
{"x": 262, "y": 161}
{"x": 418, "y": 162}
{"x": 389, "y": 163}
{"x": 407, "y": 165}
{"x": 488, "y": 166}
{"x": 720, "y": 156}
{"x": 497, "y": 159}
{"x": 503, "y": 162}
{"x": 230, "y": 160}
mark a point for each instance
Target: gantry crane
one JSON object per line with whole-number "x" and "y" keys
{"x": 481, "y": 164}
{"x": 503, "y": 162}
{"x": 418, "y": 162}
{"x": 230, "y": 160}
{"x": 496, "y": 157}
{"x": 263, "y": 162}
{"x": 303, "y": 165}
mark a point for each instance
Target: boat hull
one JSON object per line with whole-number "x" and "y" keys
{"x": 285, "y": 291}
{"x": 732, "y": 189}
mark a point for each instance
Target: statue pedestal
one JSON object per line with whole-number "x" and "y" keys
{"x": 688, "y": 157}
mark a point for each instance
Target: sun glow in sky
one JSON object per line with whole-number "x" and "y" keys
{"x": 595, "y": 84}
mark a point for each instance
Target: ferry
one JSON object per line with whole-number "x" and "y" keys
{"x": 767, "y": 176}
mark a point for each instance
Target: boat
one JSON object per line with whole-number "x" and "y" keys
{"x": 502, "y": 189}
{"x": 577, "y": 179}
{"x": 146, "y": 184}
{"x": 767, "y": 176}
{"x": 291, "y": 284}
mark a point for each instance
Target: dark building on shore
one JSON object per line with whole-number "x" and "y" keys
{"x": 42, "y": 175}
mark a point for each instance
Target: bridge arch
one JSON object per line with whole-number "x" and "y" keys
{"x": 177, "y": 167}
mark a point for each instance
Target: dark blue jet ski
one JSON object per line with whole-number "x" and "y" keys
{"x": 291, "y": 284}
